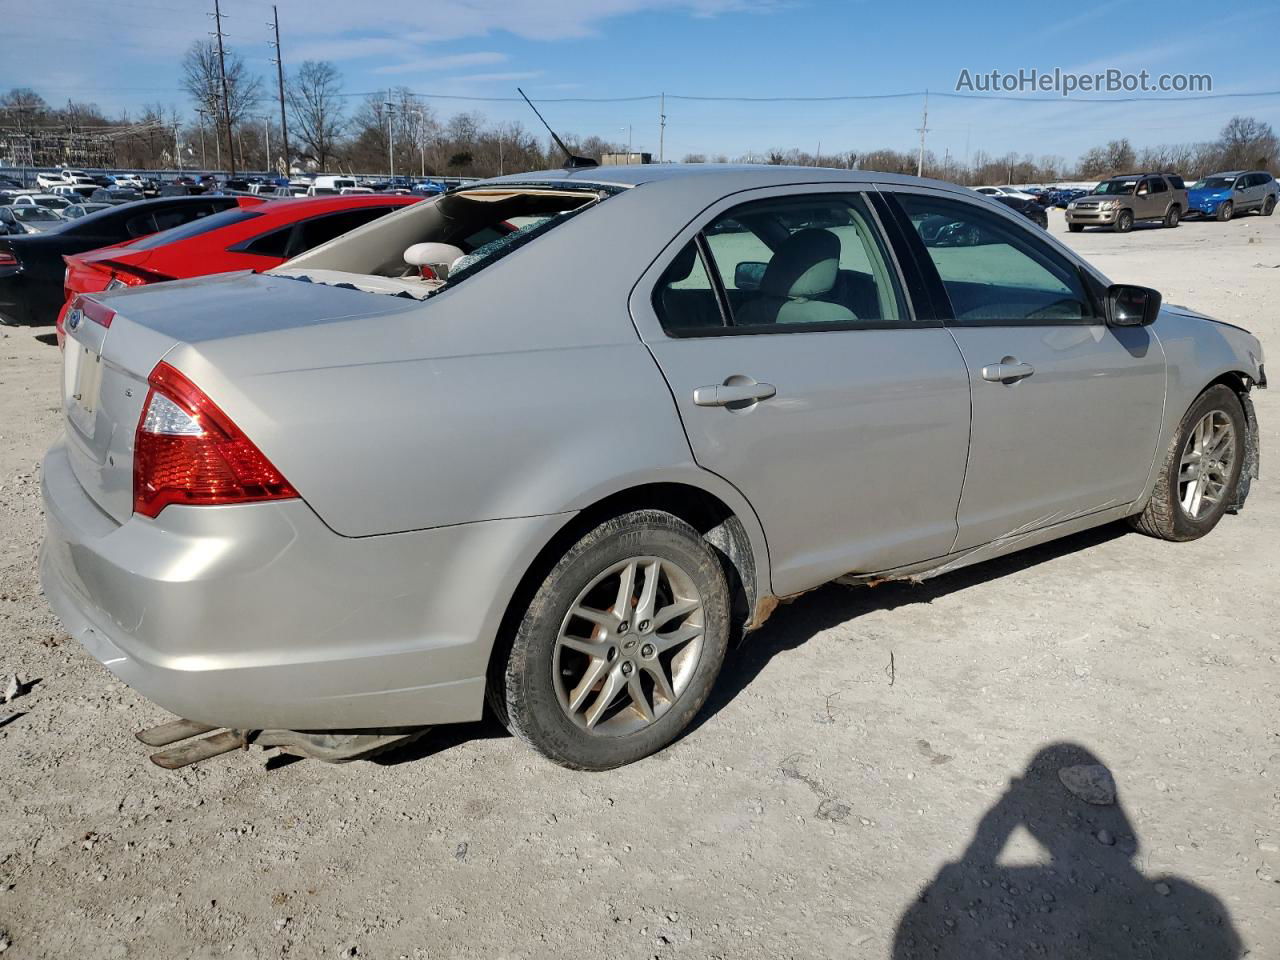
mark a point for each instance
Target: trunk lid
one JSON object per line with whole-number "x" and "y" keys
{"x": 105, "y": 367}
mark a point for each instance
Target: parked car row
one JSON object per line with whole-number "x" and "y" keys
{"x": 1120, "y": 202}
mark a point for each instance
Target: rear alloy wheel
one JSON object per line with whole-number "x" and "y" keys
{"x": 1201, "y": 471}
{"x": 1268, "y": 206}
{"x": 1124, "y": 221}
{"x": 620, "y": 645}
{"x": 1172, "y": 216}
{"x": 1226, "y": 211}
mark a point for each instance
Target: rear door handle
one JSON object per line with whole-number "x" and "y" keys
{"x": 723, "y": 394}
{"x": 1008, "y": 370}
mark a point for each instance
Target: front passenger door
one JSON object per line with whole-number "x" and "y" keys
{"x": 1066, "y": 410}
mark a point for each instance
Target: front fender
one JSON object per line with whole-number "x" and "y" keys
{"x": 1200, "y": 351}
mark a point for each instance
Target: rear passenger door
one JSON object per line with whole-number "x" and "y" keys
{"x": 1066, "y": 410}
{"x": 802, "y": 376}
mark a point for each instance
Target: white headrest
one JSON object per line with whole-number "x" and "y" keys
{"x": 438, "y": 256}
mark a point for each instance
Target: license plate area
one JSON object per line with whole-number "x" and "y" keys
{"x": 84, "y": 378}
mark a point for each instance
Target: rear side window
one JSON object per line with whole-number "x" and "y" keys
{"x": 994, "y": 270}
{"x": 300, "y": 237}
{"x": 1176, "y": 182}
{"x": 1158, "y": 185}
{"x": 323, "y": 229}
{"x": 785, "y": 264}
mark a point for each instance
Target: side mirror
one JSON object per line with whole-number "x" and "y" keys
{"x": 1130, "y": 306}
{"x": 748, "y": 275}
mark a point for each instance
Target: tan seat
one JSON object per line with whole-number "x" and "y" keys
{"x": 803, "y": 271}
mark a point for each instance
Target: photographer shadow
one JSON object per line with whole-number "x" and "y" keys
{"x": 1084, "y": 897}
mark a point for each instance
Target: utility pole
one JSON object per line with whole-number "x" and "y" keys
{"x": 662, "y": 124}
{"x": 279, "y": 62}
{"x": 204, "y": 160}
{"x": 924, "y": 128}
{"x": 222, "y": 73}
{"x": 391, "y": 137}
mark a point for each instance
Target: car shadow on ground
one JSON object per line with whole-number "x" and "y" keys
{"x": 1079, "y": 895}
{"x": 794, "y": 623}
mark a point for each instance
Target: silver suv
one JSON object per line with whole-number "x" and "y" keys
{"x": 1120, "y": 201}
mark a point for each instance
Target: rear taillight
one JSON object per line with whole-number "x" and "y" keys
{"x": 7, "y": 259}
{"x": 134, "y": 276}
{"x": 187, "y": 451}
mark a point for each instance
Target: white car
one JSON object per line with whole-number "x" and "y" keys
{"x": 47, "y": 200}
{"x": 63, "y": 177}
{"x": 1004, "y": 192}
{"x": 131, "y": 180}
{"x": 76, "y": 193}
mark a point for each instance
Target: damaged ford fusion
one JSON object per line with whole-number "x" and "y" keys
{"x": 550, "y": 442}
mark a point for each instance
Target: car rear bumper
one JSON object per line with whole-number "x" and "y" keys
{"x": 259, "y": 616}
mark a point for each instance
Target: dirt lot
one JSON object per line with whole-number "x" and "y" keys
{"x": 878, "y": 766}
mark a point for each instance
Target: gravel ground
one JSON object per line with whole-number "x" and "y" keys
{"x": 877, "y": 774}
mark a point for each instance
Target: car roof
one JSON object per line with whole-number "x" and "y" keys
{"x": 718, "y": 178}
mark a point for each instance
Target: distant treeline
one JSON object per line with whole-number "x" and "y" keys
{"x": 329, "y": 130}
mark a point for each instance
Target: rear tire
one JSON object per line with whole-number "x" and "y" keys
{"x": 1174, "y": 511}
{"x": 1172, "y": 216}
{"x": 1124, "y": 222}
{"x": 596, "y": 691}
{"x": 1268, "y": 206}
{"x": 1226, "y": 211}
{"x": 1075, "y": 227}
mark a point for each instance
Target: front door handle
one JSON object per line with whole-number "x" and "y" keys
{"x": 1008, "y": 370}
{"x": 731, "y": 392}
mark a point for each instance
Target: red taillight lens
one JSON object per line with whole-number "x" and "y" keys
{"x": 134, "y": 276}
{"x": 7, "y": 259}
{"x": 188, "y": 451}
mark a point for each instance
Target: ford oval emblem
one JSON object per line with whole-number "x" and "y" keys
{"x": 73, "y": 319}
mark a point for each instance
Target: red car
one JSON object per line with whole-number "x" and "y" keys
{"x": 254, "y": 236}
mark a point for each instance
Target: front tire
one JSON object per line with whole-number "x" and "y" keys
{"x": 1226, "y": 211}
{"x": 620, "y": 645}
{"x": 1201, "y": 470}
{"x": 1124, "y": 222}
{"x": 1075, "y": 227}
{"x": 1172, "y": 216}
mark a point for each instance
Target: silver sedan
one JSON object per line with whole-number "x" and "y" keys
{"x": 553, "y": 440}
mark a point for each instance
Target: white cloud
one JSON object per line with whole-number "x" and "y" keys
{"x": 445, "y": 62}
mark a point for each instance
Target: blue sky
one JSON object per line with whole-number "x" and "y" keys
{"x": 127, "y": 51}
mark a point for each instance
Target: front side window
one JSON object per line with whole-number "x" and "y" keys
{"x": 995, "y": 271}
{"x": 786, "y": 264}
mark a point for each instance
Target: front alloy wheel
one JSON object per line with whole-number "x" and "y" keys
{"x": 1207, "y": 465}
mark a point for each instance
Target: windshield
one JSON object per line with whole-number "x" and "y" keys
{"x": 194, "y": 228}
{"x": 1114, "y": 187}
{"x": 1214, "y": 183}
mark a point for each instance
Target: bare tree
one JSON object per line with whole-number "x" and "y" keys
{"x": 202, "y": 79}
{"x": 1248, "y": 142}
{"x": 316, "y": 109}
